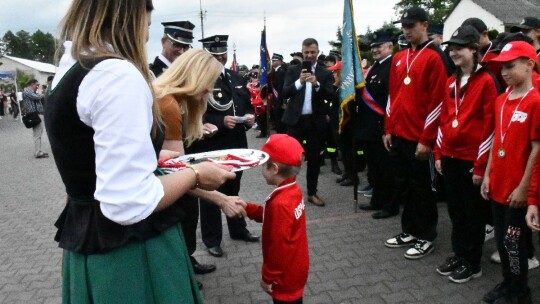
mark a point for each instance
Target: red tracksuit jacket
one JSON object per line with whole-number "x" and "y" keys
{"x": 472, "y": 138}
{"x": 413, "y": 110}
{"x": 284, "y": 240}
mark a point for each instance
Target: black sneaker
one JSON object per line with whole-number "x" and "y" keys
{"x": 451, "y": 264}
{"x": 400, "y": 240}
{"x": 498, "y": 292}
{"x": 464, "y": 273}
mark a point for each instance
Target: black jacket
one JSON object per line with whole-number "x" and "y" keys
{"x": 296, "y": 97}
{"x": 158, "y": 67}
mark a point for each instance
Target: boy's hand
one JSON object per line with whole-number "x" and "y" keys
{"x": 518, "y": 198}
{"x": 532, "y": 218}
{"x": 438, "y": 166}
{"x": 484, "y": 189}
{"x": 266, "y": 287}
{"x": 477, "y": 180}
{"x": 233, "y": 206}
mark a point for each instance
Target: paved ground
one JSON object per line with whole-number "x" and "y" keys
{"x": 349, "y": 263}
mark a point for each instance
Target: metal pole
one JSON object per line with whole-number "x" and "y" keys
{"x": 202, "y": 17}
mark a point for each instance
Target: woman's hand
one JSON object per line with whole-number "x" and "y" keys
{"x": 209, "y": 130}
{"x": 484, "y": 188}
{"x": 168, "y": 154}
{"x": 438, "y": 166}
{"x": 211, "y": 175}
{"x": 477, "y": 180}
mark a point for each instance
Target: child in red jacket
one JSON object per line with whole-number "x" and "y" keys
{"x": 284, "y": 238}
{"x": 507, "y": 178}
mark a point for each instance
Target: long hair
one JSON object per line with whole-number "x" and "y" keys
{"x": 189, "y": 75}
{"x": 110, "y": 28}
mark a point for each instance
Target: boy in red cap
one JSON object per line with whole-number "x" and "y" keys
{"x": 284, "y": 238}
{"x": 515, "y": 148}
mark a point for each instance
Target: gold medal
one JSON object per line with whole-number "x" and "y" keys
{"x": 455, "y": 123}
{"x": 501, "y": 153}
{"x": 407, "y": 80}
{"x": 219, "y": 95}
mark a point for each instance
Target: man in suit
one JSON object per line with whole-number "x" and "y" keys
{"x": 227, "y": 111}
{"x": 306, "y": 112}
{"x": 369, "y": 126}
{"x": 177, "y": 39}
{"x": 278, "y": 77}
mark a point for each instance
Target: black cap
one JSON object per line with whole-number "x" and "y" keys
{"x": 528, "y": 23}
{"x": 380, "y": 38}
{"x": 413, "y": 15}
{"x": 243, "y": 67}
{"x": 179, "y": 31}
{"x": 255, "y": 66}
{"x": 435, "y": 29}
{"x": 464, "y": 35}
{"x": 509, "y": 38}
{"x": 215, "y": 45}
{"x": 477, "y": 23}
{"x": 402, "y": 40}
{"x": 297, "y": 54}
{"x": 277, "y": 56}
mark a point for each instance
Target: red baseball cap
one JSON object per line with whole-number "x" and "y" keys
{"x": 336, "y": 66}
{"x": 514, "y": 50}
{"x": 284, "y": 149}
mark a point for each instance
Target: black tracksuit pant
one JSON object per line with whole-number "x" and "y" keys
{"x": 467, "y": 209}
{"x": 378, "y": 161}
{"x": 411, "y": 182}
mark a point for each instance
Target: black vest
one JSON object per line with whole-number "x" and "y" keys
{"x": 82, "y": 227}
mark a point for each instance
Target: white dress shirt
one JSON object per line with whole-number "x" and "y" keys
{"x": 115, "y": 100}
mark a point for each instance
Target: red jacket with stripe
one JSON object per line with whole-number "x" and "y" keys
{"x": 284, "y": 241}
{"x": 473, "y": 136}
{"x": 413, "y": 109}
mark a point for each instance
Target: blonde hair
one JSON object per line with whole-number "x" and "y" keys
{"x": 110, "y": 28}
{"x": 189, "y": 75}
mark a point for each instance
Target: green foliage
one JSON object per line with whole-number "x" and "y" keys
{"x": 438, "y": 10}
{"x": 38, "y": 46}
{"x": 336, "y": 44}
{"x": 22, "y": 78}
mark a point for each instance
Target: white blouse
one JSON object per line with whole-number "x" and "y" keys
{"x": 115, "y": 100}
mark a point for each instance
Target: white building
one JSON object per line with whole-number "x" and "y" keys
{"x": 40, "y": 70}
{"x": 496, "y": 14}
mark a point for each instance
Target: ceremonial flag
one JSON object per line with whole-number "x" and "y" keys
{"x": 265, "y": 58}
{"x": 234, "y": 64}
{"x": 352, "y": 77}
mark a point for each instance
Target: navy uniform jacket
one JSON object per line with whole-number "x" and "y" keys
{"x": 296, "y": 97}
{"x": 278, "y": 79}
{"x": 232, "y": 86}
{"x": 368, "y": 124}
{"x": 158, "y": 67}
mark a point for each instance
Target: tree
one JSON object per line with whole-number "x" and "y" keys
{"x": 23, "y": 78}
{"x": 43, "y": 47}
{"x": 336, "y": 44}
{"x": 39, "y": 46}
{"x": 437, "y": 10}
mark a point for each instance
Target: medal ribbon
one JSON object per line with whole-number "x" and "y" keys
{"x": 513, "y": 112}
{"x": 407, "y": 61}
{"x": 489, "y": 49}
{"x": 456, "y": 97}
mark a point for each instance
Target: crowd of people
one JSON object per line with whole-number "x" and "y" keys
{"x": 465, "y": 119}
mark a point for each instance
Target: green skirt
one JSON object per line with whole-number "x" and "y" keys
{"x": 156, "y": 271}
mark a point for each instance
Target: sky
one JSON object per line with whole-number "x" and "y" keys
{"x": 288, "y": 22}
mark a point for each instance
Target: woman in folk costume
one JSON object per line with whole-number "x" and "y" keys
{"x": 119, "y": 227}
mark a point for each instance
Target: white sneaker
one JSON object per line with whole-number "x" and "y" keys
{"x": 420, "y": 249}
{"x": 533, "y": 263}
{"x": 495, "y": 257}
{"x": 490, "y": 233}
{"x": 400, "y": 240}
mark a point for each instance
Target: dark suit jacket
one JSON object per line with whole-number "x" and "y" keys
{"x": 233, "y": 86}
{"x": 278, "y": 79}
{"x": 319, "y": 99}
{"x": 158, "y": 67}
